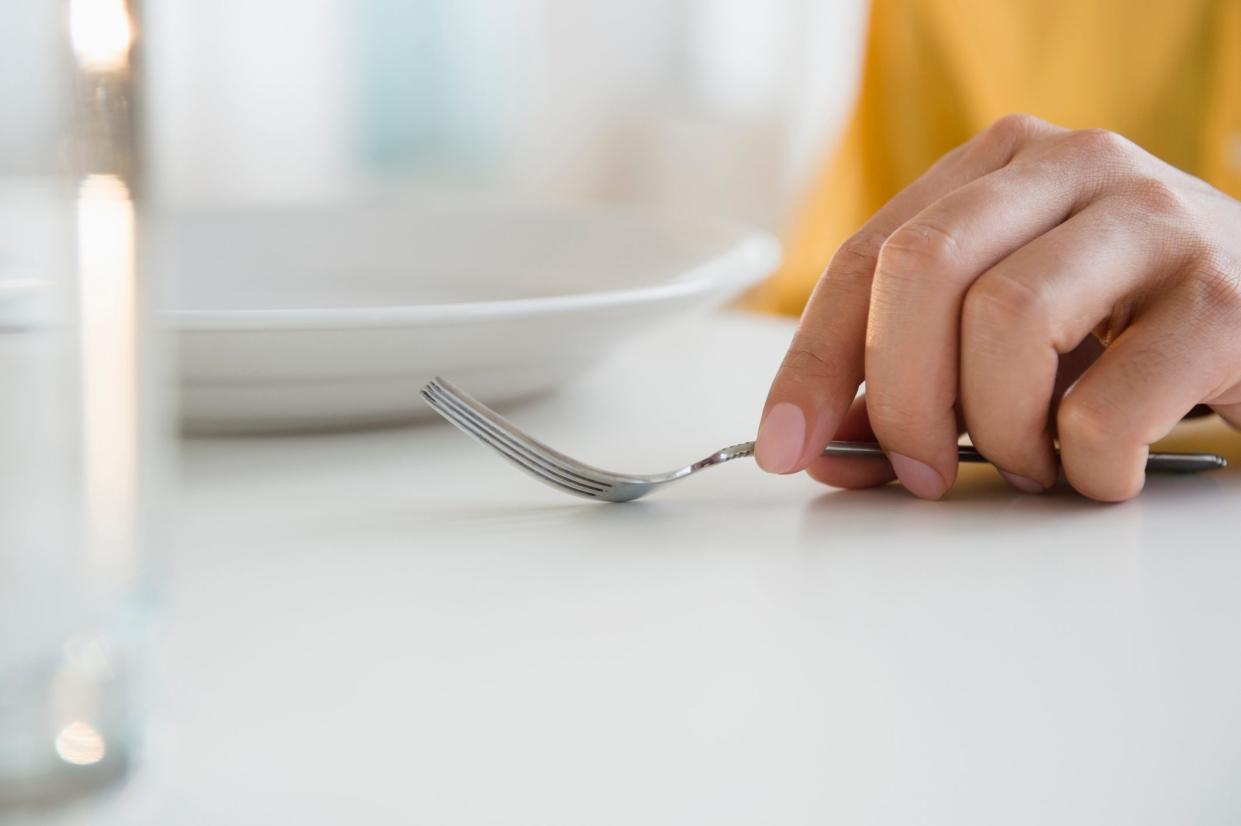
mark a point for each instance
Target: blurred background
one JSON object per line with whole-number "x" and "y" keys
{"x": 719, "y": 106}
{"x": 115, "y": 115}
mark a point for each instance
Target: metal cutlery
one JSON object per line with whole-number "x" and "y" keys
{"x": 568, "y": 474}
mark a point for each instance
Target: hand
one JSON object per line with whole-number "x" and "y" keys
{"x": 1035, "y": 284}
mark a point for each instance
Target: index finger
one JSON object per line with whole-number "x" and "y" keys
{"x": 824, "y": 366}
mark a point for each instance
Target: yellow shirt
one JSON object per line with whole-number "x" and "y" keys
{"x": 1164, "y": 73}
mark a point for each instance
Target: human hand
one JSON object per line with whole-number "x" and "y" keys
{"x": 1035, "y": 284}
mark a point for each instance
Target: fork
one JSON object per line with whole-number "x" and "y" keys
{"x": 571, "y": 476}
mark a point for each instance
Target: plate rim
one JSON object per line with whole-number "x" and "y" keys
{"x": 753, "y": 256}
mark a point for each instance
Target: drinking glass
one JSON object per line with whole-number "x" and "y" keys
{"x": 78, "y": 423}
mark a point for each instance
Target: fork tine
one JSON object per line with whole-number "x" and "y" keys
{"x": 495, "y": 421}
{"x": 462, "y": 410}
{"x": 504, "y": 450}
{"x": 543, "y": 466}
{"x": 534, "y": 470}
{"x": 540, "y": 454}
{"x": 547, "y": 475}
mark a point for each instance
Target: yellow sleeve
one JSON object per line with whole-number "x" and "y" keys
{"x": 1222, "y": 136}
{"x": 938, "y": 71}
{"x": 906, "y": 115}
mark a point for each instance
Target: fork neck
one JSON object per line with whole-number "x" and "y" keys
{"x": 727, "y": 454}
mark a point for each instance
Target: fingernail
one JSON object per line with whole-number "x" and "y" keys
{"x": 918, "y": 477}
{"x": 781, "y": 437}
{"x": 1022, "y": 483}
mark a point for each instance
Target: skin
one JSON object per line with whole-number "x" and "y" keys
{"x": 1035, "y": 285}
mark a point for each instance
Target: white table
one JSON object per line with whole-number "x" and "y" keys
{"x": 396, "y": 627}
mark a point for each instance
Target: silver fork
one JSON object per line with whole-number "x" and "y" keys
{"x": 568, "y": 474}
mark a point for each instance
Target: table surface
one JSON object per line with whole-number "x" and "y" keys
{"x": 395, "y": 626}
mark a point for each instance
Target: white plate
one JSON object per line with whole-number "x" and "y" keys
{"x": 326, "y": 317}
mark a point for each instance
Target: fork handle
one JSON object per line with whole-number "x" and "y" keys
{"x": 1155, "y": 462}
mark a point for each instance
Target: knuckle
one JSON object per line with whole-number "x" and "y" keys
{"x": 1216, "y": 290}
{"x": 893, "y": 418}
{"x": 1001, "y": 303}
{"x": 1084, "y": 420}
{"x": 1155, "y": 197}
{"x": 919, "y": 247}
{"x": 1098, "y": 146}
{"x": 809, "y": 361}
{"x": 1000, "y": 143}
{"x": 856, "y": 258}
{"x": 1012, "y": 129}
